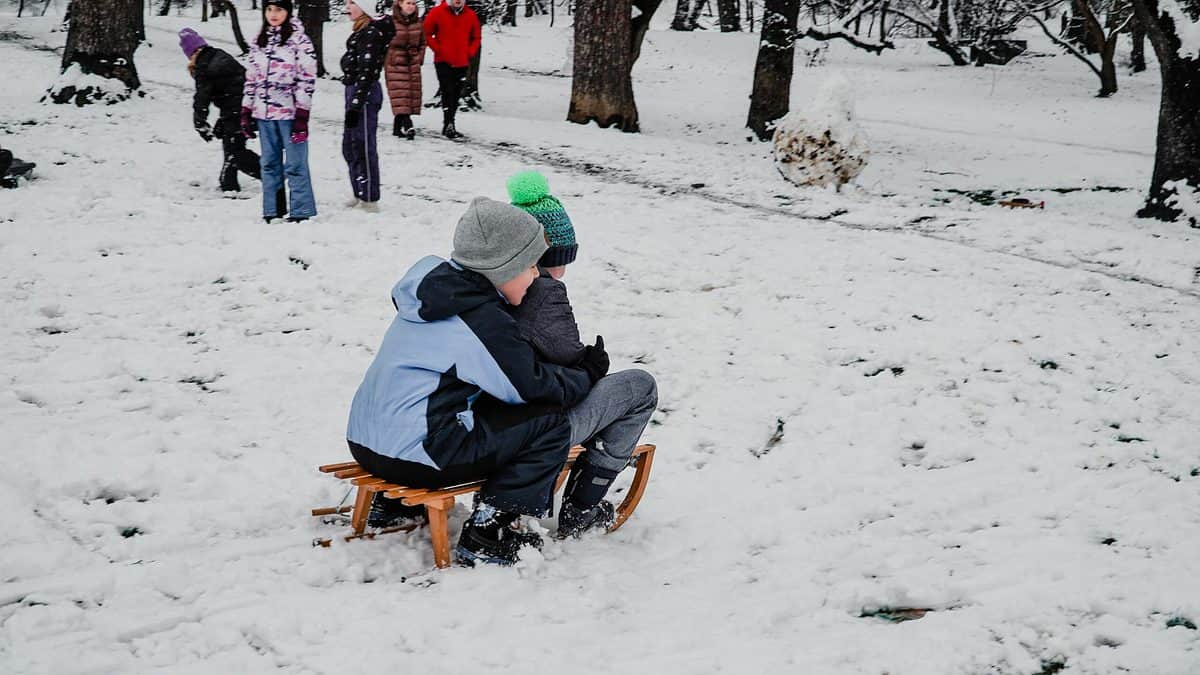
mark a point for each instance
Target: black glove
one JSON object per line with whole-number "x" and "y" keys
{"x": 352, "y": 117}
{"x": 595, "y": 360}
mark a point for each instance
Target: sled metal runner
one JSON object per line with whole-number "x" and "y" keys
{"x": 438, "y": 502}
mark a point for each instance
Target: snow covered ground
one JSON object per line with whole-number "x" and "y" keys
{"x": 893, "y": 397}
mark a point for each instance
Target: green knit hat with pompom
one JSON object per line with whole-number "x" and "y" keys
{"x": 530, "y": 191}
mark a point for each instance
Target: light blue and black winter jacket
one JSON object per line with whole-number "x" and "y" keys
{"x": 451, "y": 342}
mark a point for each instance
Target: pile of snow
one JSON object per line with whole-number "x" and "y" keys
{"x": 86, "y": 88}
{"x": 1185, "y": 198}
{"x": 822, "y": 145}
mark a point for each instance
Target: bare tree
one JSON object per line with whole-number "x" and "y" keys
{"x": 1177, "y": 157}
{"x": 608, "y": 40}
{"x": 770, "y": 95}
{"x": 101, "y": 40}
{"x": 727, "y": 10}
{"x": 1101, "y": 42}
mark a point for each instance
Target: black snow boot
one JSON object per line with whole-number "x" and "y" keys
{"x": 574, "y": 521}
{"x": 583, "y": 506}
{"x": 393, "y": 513}
{"x": 398, "y": 126}
{"x": 493, "y": 539}
{"x": 449, "y": 131}
{"x": 406, "y": 128}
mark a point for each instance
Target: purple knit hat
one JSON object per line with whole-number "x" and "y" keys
{"x": 190, "y": 42}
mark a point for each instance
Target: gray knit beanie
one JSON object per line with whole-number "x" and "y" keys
{"x": 497, "y": 240}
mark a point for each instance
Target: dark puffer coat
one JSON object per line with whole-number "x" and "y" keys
{"x": 219, "y": 82}
{"x": 405, "y": 55}
{"x": 366, "y": 50}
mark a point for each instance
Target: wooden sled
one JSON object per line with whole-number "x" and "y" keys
{"x": 438, "y": 503}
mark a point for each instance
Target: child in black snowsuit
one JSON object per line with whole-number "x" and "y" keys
{"x": 219, "y": 82}
{"x": 610, "y": 421}
{"x": 366, "y": 51}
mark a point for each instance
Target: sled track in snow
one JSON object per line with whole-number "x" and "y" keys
{"x": 626, "y": 177}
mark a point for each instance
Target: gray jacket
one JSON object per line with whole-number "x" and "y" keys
{"x": 546, "y": 321}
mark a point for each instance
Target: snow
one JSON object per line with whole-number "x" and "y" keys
{"x": 986, "y": 413}
{"x": 1186, "y": 29}
{"x": 822, "y": 144}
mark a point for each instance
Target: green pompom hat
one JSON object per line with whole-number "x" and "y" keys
{"x": 530, "y": 191}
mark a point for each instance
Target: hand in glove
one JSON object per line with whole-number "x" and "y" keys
{"x": 352, "y": 117}
{"x": 205, "y": 132}
{"x": 247, "y": 123}
{"x": 300, "y": 126}
{"x": 595, "y": 360}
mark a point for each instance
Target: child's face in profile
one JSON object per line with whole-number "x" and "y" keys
{"x": 514, "y": 289}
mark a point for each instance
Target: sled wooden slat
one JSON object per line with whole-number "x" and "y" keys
{"x": 439, "y": 502}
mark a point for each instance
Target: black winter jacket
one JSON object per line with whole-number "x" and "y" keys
{"x": 219, "y": 81}
{"x": 546, "y": 321}
{"x": 366, "y": 52}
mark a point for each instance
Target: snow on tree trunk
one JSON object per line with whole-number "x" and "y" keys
{"x": 601, "y": 84}
{"x": 1176, "y": 41}
{"x": 98, "y": 62}
{"x": 771, "y": 92}
{"x": 822, "y": 145}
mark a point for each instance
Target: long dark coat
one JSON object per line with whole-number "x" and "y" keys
{"x": 405, "y": 55}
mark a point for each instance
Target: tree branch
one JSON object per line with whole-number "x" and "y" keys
{"x": 1061, "y": 42}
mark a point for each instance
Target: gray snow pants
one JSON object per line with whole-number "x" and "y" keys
{"x": 610, "y": 421}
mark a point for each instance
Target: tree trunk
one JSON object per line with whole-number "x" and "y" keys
{"x": 165, "y": 9}
{"x": 203, "y": 11}
{"x": 1108, "y": 67}
{"x": 770, "y": 97}
{"x": 682, "y": 9}
{"x": 1177, "y": 155}
{"x": 602, "y": 83}
{"x": 639, "y": 26}
{"x": 1137, "y": 56}
{"x": 227, "y": 7}
{"x": 728, "y": 11}
{"x": 510, "y": 13}
{"x": 101, "y": 40}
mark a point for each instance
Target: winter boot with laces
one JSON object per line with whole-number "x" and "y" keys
{"x": 393, "y": 513}
{"x": 492, "y": 537}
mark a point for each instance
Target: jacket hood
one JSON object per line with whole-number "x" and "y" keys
{"x": 436, "y": 289}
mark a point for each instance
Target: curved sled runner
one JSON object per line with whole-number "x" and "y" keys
{"x": 438, "y": 502}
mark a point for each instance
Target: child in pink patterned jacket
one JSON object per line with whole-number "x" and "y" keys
{"x": 281, "y": 75}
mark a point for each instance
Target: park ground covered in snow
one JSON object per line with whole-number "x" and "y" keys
{"x": 897, "y": 397}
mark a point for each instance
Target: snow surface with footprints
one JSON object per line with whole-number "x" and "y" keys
{"x": 895, "y": 402}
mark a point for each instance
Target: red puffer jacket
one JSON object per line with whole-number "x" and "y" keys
{"x": 454, "y": 38}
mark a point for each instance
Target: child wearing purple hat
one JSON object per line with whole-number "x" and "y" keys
{"x": 219, "y": 82}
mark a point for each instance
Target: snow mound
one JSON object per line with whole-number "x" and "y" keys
{"x": 822, "y": 145}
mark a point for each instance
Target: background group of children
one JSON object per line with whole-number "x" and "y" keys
{"x": 271, "y": 97}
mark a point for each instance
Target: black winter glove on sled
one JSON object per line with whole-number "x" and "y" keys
{"x": 352, "y": 116}
{"x": 595, "y": 360}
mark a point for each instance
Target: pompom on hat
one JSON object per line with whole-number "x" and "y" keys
{"x": 530, "y": 191}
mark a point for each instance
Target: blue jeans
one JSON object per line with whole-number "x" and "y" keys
{"x": 279, "y": 156}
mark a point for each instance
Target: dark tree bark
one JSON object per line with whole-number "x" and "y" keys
{"x": 770, "y": 97}
{"x": 510, "y": 13}
{"x": 1177, "y": 156}
{"x": 682, "y": 11}
{"x": 165, "y": 9}
{"x": 1137, "y": 55}
{"x": 602, "y": 82}
{"x": 101, "y": 40}
{"x": 639, "y": 25}
{"x": 1099, "y": 43}
{"x": 728, "y": 12}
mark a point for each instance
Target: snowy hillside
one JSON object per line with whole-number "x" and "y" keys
{"x": 899, "y": 397}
